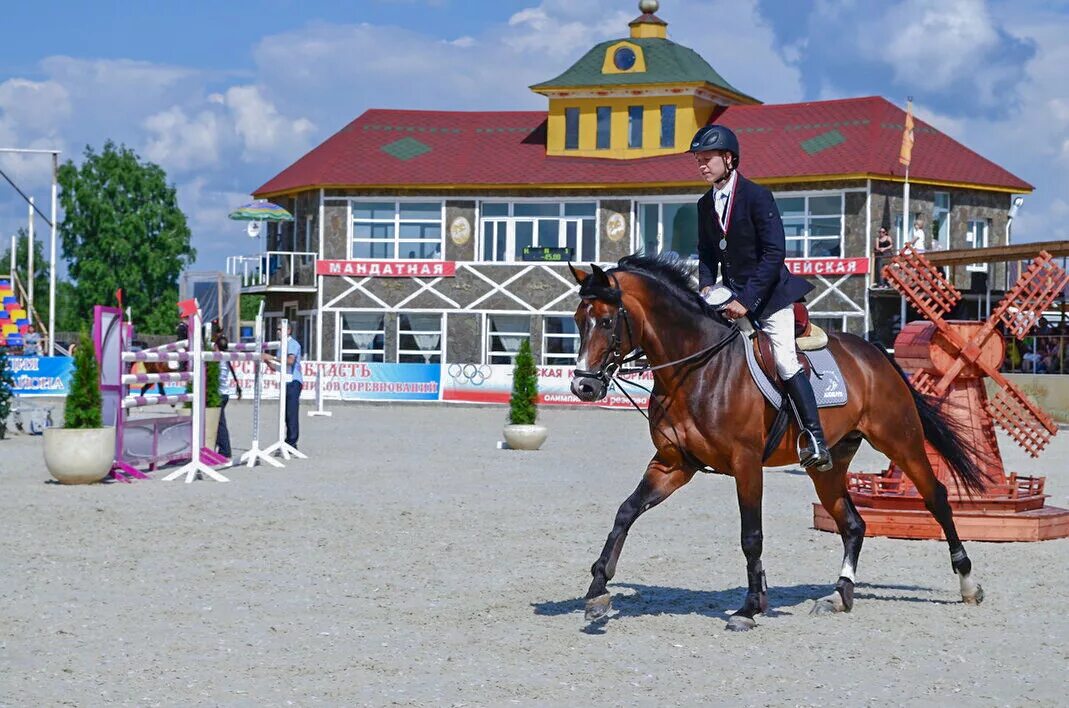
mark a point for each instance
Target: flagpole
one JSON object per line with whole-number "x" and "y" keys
{"x": 905, "y": 156}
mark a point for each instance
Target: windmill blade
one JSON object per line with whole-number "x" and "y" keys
{"x": 924, "y": 383}
{"x": 1022, "y": 420}
{"x": 922, "y": 284}
{"x": 1042, "y": 282}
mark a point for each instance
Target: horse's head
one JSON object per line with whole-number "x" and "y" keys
{"x": 605, "y": 333}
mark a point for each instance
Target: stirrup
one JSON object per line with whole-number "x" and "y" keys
{"x": 810, "y": 456}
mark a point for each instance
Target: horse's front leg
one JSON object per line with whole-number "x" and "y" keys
{"x": 749, "y": 485}
{"x": 660, "y": 480}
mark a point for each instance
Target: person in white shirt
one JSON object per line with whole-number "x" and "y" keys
{"x": 917, "y": 239}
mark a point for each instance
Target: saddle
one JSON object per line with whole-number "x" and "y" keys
{"x": 808, "y": 337}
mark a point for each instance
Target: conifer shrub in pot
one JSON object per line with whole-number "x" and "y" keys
{"x": 522, "y": 432}
{"x": 83, "y": 450}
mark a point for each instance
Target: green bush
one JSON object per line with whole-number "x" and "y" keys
{"x": 7, "y": 383}
{"x": 212, "y": 397}
{"x": 83, "y": 403}
{"x": 522, "y": 407}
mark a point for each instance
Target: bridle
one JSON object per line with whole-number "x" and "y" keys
{"x": 611, "y": 365}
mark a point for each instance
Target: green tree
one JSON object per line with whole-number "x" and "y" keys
{"x": 122, "y": 228}
{"x": 522, "y": 408}
{"x": 250, "y": 306}
{"x": 40, "y": 270}
{"x": 7, "y": 383}
{"x": 82, "y": 408}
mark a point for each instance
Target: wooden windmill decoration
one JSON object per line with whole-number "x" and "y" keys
{"x": 949, "y": 360}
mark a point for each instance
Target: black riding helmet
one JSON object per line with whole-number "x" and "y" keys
{"x": 716, "y": 137}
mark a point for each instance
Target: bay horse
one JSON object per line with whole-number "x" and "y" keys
{"x": 706, "y": 412}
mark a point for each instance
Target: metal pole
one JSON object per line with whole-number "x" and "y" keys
{"x": 29, "y": 265}
{"x": 14, "y": 262}
{"x": 52, "y": 261}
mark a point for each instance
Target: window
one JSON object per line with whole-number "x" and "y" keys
{"x": 508, "y": 227}
{"x": 813, "y": 225}
{"x": 634, "y": 126}
{"x": 669, "y": 226}
{"x": 560, "y": 340}
{"x": 362, "y": 336}
{"x": 830, "y": 323}
{"x": 941, "y": 221}
{"x": 571, "y": 128}
{"x": 604, "y": 114}
{"x": 419, "y": 338}
{"x": 504, "y": 334}
{"x": 976, "y": 237}
{"x": 397, "y": 230}
{"x": 668, "y": 125}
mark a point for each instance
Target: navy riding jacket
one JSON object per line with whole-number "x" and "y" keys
{"x": 752, "y": 265}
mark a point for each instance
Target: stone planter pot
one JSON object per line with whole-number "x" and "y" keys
{"x": 79, "y": 456}
{"x": 525, "y": 437}
{"x": 211, "y": 427}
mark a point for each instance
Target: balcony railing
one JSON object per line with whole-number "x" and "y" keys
{"x": 274, "y": 269}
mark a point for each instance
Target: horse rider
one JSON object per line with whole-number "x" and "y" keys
{"x": 741, "y": 233}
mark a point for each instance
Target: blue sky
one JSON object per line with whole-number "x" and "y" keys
{"x": 223, "y": 95}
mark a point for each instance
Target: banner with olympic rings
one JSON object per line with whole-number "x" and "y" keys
{"x": 492, "y": 383}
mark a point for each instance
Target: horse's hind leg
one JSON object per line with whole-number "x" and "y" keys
{"x": 832, "y": 490}
{"x": 905, "y": 447}
{"x": 660, "y": 480}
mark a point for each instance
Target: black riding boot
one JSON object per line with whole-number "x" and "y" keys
{"x": 812, "y": 448}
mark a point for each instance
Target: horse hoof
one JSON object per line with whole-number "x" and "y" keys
{"x": 598, "y": 607}
{"x": 829, "y": 604}
{"x": 976, "y": 598}
{"x": 740, "y": 623}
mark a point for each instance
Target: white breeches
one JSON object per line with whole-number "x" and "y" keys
{"x": 779, "y": 326}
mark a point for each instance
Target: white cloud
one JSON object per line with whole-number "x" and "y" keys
{"x": 182, "y": 143}
{"x": 935, "y": 42}
{"x": 262, "y": 129}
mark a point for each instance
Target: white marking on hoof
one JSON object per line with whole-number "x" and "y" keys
{"x": 971, "y": 592}
{"x": 829, "y": 604}
{"x": 740, "y": 623}
{"x": 598, "y": 607}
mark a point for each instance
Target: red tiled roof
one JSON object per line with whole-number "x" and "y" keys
{"x": 857, "y": 136}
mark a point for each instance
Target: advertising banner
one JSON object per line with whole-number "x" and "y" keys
{"x": 41, "y": 375}
{"x": 492, "y": 383}
{"x": 828, "y": 266}
{"x": 350, "y": 381}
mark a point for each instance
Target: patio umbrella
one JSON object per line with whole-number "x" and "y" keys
{"x": 259, "y": 211}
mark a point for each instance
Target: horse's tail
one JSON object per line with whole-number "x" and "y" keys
{"x": 947, "y": 437}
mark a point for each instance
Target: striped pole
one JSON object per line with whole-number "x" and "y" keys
{"x": 156, "y": 356}
{"x": 138, "y": 401}
{"x": 180, "y": 345}
{"x": 253, "y": 346}
{"x": 128, "y": 379}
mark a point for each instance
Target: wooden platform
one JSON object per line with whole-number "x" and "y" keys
{"x": 1034, "y": 525}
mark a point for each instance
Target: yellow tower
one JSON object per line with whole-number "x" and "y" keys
{"x": 641, "y": 96}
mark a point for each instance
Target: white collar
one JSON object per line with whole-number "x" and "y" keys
{"x": 729, "y": 187}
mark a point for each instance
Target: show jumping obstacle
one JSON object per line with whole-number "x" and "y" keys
{"x": 950, "y": 359}
{"x": 255, "y": 454}
{"x": 146, "y": 442}
{"x": 155, "y": 441}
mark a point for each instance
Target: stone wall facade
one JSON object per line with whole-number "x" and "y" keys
{"x": 544, "y": 289}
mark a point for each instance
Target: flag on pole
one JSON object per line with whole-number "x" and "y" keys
{"x": 907, "y": 137}
{"x": 187, "y": 308}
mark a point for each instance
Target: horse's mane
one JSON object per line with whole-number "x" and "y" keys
{"x": 674, "y": 273}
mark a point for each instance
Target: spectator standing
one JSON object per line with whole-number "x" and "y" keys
{"x": 293, "y": 386}
{"x": 917, "y": 238}
{"x": 884, "y": 247}
{"x": 31, "y": 342}
{"x": 222, "y": 438}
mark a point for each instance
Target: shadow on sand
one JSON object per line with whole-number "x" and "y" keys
{"x": 640, "y": 600}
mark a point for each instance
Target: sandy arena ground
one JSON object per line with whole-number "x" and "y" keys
{"x": 409, "y": 562}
